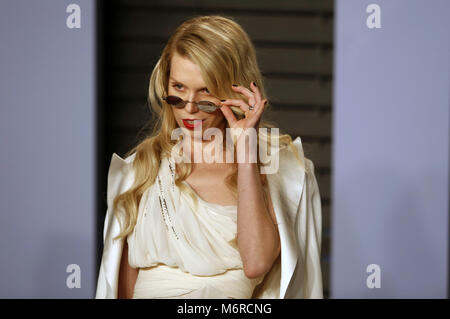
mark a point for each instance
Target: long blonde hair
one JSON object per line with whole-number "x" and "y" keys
{"x": 226, "y": 56}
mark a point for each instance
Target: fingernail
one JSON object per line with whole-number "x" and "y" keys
{"x": 254, "y": 84}
{"x": 234, "y": 85}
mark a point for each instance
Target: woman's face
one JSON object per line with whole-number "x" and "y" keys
{"x": 186, "y": 82}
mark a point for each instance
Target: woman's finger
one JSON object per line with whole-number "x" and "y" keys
{"x": 252, "y": 100}
{"x": 260, "y": 111}
{"x": 235, "y": 102}
{"x": 256, "y": 91}
{"x": 229, "y": 115}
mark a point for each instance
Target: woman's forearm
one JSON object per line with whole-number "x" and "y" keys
{"x": 258, "y": 238}
{"x": 127, "y": 276}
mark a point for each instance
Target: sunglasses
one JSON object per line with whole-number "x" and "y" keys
{"x": 205, "y": 106}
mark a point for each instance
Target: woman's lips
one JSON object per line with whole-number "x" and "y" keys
{"x": 191, "y": 123}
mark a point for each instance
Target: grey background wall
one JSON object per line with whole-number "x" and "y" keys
{"x": 391, "y": 150}
{"x": 294, "y": 43}
{"x": 47, "y": 142}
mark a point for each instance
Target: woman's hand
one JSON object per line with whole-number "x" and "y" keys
{"x": 252, "y": 117}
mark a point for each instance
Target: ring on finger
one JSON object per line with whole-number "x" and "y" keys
{"x": 251, "y": 107}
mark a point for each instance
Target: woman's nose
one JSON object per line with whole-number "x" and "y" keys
{"x": 191, "y": 107}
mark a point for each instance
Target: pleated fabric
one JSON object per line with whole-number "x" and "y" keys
{"x": 185, "y": 250}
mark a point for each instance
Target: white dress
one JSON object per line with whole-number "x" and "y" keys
{"x": 297, "y": 205}
{"x": 185, "y": 249}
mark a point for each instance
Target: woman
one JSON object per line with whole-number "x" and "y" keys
{"x": 200, "y": 229}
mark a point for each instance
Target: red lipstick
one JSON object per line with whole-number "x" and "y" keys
{"x": 190, "y": 124}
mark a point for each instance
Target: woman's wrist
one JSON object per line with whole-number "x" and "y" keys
{"x": 247, "y": 166}
{"x": 246, "y": 151}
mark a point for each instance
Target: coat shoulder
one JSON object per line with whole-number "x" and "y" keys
{"x": 119, "y": 175}
{"x": 293, "y": 155}
{"x": 119, "y": 167}
{"x": 120, "y": 163}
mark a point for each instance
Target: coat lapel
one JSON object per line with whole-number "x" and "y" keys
{"x": 285, "y": 188}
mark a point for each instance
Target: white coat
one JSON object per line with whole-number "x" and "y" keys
{"x": 297, "y": 206}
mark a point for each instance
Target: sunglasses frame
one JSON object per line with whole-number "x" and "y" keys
{"x": 183, "y": 103}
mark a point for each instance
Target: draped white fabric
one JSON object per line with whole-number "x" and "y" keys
{"x": 198, "y": 242}
{"x": 297, "y": 205}
{"x": 163, "y": 281}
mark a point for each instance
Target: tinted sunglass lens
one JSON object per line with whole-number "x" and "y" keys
{"x": 174, "y": 101}
{"x": 207, "y": 106}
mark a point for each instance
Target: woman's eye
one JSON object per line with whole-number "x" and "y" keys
{"x": 178, "y": 86}
{"x": 206, "y": 91}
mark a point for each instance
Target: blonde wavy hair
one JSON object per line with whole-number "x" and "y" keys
{"x": 226, "y": 56}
